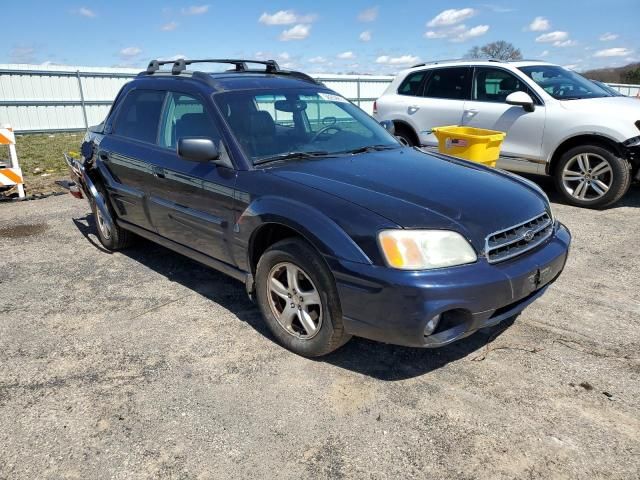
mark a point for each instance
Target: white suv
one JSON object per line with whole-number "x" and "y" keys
{"x": 557, "y": 122}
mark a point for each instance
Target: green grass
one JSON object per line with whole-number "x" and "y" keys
{"x": 40, "y": 154}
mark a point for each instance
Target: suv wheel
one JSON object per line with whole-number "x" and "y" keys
{"x": 298, "y": 299}
{"x": 111, "y": 237}
{"x": 404, "y": 136}
{"x": 592, "y": 176}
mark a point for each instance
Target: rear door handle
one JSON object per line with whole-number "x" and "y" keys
{"x": 104, "y": 156}
{"x": 413, "y": 109}
{"x": 158, "y": 172}
{"x": 471, "y": 112}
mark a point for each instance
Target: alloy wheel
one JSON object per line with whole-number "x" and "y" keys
{"x": 102, "y": 225}
{"x": 294, "y": 300}
{"x": 587, "y": 177}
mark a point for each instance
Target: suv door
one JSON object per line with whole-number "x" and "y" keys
{"x": 487, "y": 108}
{"x": 442, "y": 101}
{"x": 125, "y": 152}
{"x": 191, "y": 202}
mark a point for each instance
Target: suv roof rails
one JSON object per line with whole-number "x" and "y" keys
{"x": 451, "y": 60}
{"x": 271, "y": 66}
{"x": 180, "y": 65}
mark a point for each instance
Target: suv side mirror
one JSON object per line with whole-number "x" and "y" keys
{"x": 198, "y": 149}
{"x": 521, "y": 99}
{"x": 389, "y": 126}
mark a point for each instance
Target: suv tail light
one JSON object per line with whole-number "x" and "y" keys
{"x": 375, "y": 107}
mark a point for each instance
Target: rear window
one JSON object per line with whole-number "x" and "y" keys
{"x": 139, "y": 115}
{"x": 451, "y": 83}
{"x": 412, "y": 85}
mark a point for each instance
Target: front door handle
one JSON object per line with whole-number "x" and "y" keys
{"x": 471, "y": 112}
{"x": 158, "y": 172}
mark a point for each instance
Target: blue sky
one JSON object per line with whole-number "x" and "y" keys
{"x": 320, "y": 36}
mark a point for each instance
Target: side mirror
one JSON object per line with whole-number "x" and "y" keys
{"x": 521, "y": 99}
{"x": 198, "y": 149}
{"x": 389, "y": 126}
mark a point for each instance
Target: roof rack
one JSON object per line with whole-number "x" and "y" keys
{"x": 240, "y": 66}
{"x": 451, "y": 60}
{"x": 271, "y": 66}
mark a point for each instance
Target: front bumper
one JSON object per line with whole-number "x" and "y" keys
{"x": 394, "y": 306}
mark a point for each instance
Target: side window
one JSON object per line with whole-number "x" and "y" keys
{"x": 139, "y": 115}
{"x": 185, "y": 116}
{"x": 494, "y": 85}
{"x": 412, "y": 85}
{"x": 451, "y": 83}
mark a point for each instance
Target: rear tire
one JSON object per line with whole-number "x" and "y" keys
{"x": 405, "y": 137}
{"x": 299, "y": 300}
{"x": 592, "y": 176}
{"x": 114, "y": 238}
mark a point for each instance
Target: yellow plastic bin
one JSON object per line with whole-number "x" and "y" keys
{"x": 475, "y": 144}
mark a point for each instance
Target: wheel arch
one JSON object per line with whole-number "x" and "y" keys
{"x": 401, "y": 125}
{"x": 577, "y": 140}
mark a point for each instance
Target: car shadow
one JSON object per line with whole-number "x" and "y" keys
{"x": 378, "y": 360}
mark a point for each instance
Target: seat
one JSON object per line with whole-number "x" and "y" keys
{"x": 262, "y": 134}
{"x": 194, "y": 125}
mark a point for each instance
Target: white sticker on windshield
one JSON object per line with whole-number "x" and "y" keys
{"x": 332, "y": 98}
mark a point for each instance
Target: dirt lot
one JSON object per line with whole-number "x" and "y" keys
{"x": 145, "y": 365}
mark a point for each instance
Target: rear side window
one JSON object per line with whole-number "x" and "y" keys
{"x": 451, "y": 83}
{"x": 185, "y": 116}
{"x": 412, "y": 85}
{"x": 139, "y": 115}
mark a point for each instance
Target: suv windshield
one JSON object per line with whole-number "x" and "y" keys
{"x": 289, "y": 123}
{"x": 564, "y": 84}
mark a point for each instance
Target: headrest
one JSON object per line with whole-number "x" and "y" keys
{"x": 261, "y": 124}
{"x": 509, "y": 83}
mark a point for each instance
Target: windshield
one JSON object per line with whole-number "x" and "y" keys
{"x": 564, "y": 84}
{"x": 279, "y": 124}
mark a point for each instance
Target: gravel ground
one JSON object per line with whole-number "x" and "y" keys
{"x": 143, "y": 364}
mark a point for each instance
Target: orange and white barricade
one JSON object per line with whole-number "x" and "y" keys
{"x": 12, "y": 175}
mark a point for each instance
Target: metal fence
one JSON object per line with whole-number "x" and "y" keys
{"x": 45, "y": 99}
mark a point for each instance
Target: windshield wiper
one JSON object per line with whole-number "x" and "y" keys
{"x": 291, "y": 155}
{"x": 370, "y": 148}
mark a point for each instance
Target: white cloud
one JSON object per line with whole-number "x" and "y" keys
{"x": 22, "y": 54}
{"x": 497, "y": 8}
{"x": 130, "y": 52}
{"x": 566, "y": 43}
{"x": 451, "y": 17}
{"x": 544, "y": 54}
{"x": 539, "y": 24}
{"x": 572, "y": 66}
{"x": 173, "y": 58}
{"x": 285, "y": 17}
{"x": 346, "y": 55}
{"x": 607, "y": 37}
{"x": 169, "y": 27}
{"x": 613, "y": 52}
{"x": 401, "y": 60}
{"x": 368, "y": 15}
{"x": 552, "y": 37}
{"x": 365, "y": 36}
{"x": 195, "y": 10}
{"x": 318, "y": 59}
{"x": 297, "y": 32}
{"x": 458, "y": 33}
{"x": 86, "y": 12}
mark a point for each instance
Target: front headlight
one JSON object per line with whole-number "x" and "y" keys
{"x": 424, "y": 249}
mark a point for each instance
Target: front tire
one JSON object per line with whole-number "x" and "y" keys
{"x": 298, "y": 299}
{"x": 592, "y": 176}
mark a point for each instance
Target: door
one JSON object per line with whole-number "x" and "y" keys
{"x": 442, "y": 101}
{"x": 191, "y": 202}
{"x": 487, "y": 108}
{"x": 124, "y": 151}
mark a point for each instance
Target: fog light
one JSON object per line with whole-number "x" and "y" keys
{"x": 431, "y": 325}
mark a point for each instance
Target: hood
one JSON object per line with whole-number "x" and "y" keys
{"x": 418, "y": 190}
{"x": 627, "y": 107}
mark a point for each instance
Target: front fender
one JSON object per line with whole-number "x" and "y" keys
{"x": 318, "y": 229}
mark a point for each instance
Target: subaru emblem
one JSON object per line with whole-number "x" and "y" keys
{"x": 528, "y": 235}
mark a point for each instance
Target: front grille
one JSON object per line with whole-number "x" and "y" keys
{"x": 518, "y": 239}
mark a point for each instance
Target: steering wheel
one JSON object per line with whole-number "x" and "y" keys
{"x": 324, "y": 130}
